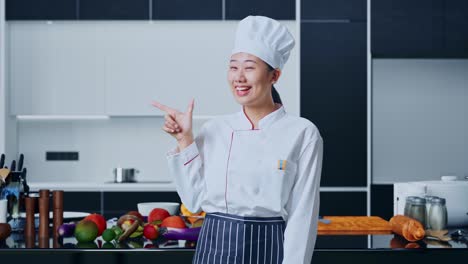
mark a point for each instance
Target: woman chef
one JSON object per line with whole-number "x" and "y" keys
{"x": 256, "y": 173}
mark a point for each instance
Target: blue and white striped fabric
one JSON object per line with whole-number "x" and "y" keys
{"x": 226, "y": 239}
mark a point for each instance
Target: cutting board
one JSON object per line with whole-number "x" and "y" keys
{"x": 354, "y": 225}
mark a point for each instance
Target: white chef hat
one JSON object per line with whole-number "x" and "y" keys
{"x": 265, "y": 38}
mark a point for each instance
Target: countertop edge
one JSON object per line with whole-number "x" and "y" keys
{"x": 101, "y": 186}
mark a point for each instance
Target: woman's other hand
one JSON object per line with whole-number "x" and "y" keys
{"x": 178, "y": 124}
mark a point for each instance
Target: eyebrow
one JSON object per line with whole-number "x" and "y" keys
{"x": 245, "y": 61}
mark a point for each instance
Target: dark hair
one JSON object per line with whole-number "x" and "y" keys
{"x": 274, "y": 92}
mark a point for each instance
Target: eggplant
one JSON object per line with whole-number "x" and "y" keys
{"x": 66, "y": 230}
{"x": 172, "y": 233}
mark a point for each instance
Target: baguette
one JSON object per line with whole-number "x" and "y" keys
{"x": 409, "y": 228}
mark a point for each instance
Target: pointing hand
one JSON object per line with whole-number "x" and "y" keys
{"x": 178, "y": 124}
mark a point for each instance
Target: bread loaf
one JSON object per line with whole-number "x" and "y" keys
{"x": 409, "y": 228}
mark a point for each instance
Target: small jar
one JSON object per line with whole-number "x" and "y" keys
{"x": 438, "y": 214}
{"x": 418, "y": 210}
{"x": 408, "y": 205}
{"x": 428, "y": 208}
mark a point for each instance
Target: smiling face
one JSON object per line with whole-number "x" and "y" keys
{"x": 250, "y": 80}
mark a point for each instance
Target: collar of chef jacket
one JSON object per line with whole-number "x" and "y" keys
{"x": 242, "y": 121}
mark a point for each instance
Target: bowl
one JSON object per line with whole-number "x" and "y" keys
{"x": 145, "y": 208}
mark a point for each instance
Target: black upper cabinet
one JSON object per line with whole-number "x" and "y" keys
{"x": 419, "y": 28}
{"x": 114, "y": 9}
{"x": 402, "y": 28}
{"x": 147, "y": 9}
{"x": 353, "y": 10}
{"x": 456, "y": 28}
{"x": 41, "y": 9}
{"x": 277, "y": 9}
{"x": 334, "y": 97}
{"x": 187, "y": 9}
{"x": 404, "y": 8}
{"x": 407, "y": 37}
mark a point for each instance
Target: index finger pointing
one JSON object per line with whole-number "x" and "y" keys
{"x": 164, "y": 108}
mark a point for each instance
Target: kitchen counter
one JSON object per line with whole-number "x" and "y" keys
{"x": 329, "y": 249}
{"x": 103, "y": 186}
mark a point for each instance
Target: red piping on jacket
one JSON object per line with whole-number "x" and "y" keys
{"x": 191, "y": 160}
{"x": 243, "y": 109}
{"x": 227, "y": 168}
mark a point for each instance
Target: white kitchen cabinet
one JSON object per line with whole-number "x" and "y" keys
{"x": 55, "y": 69}
{"x": 117, "y": 68}
{"x": 170, "y": 62}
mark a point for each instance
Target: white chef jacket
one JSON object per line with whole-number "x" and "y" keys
{"x": 270, "y": 171}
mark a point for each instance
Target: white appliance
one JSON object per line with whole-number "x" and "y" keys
{"x": 449, "y": 187}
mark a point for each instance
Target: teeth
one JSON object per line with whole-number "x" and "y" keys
{"x": 242, "y": 88}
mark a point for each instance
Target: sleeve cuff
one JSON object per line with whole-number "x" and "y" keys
{"x": 186, "y": 156}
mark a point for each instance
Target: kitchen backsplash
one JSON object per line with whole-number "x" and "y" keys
{"x": 103, "y": 145}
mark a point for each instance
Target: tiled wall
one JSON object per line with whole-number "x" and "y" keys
{"x": 102, "y": 145}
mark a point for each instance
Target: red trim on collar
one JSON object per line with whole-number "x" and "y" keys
{"x": 243, "y": 109}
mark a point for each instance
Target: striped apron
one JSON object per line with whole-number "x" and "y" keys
{"x": 226, "y": 238}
